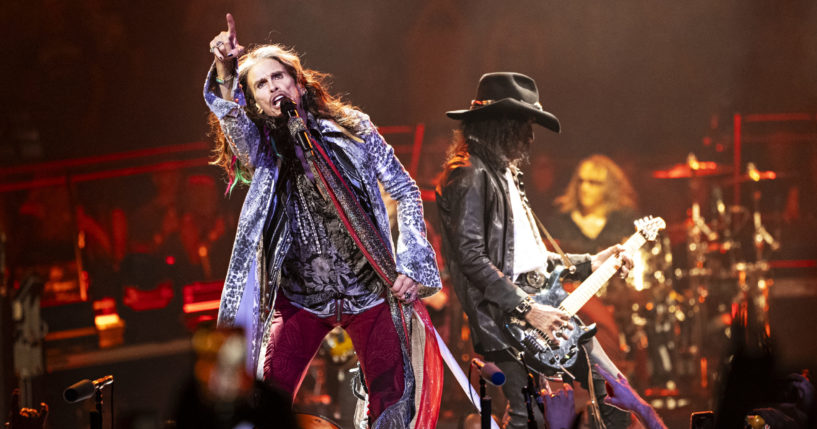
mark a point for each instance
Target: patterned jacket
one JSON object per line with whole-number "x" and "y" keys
{"x": 245, "y": 301}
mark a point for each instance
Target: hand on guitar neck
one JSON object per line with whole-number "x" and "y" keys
{"x": 616, "y": 251}
{"x": 549, "y": 321}
{"x": 555, "y": 323}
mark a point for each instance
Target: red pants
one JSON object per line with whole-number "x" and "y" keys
{"x": 296, "y": 335}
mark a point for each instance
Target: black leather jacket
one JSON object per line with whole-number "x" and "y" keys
{"x": 477, "y": 226}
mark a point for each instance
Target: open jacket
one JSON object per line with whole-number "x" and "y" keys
{"x": 478, "y": 242}
{"x": 250, "y": 287}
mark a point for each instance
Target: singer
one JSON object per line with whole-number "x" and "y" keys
{"x": 297, "y": 268}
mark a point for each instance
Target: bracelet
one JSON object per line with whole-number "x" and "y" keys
{"x": 223, "y": 80}
{"x": 524, "y": 307}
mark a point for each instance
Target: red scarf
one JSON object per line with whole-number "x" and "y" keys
{"x": 331, "y": 183}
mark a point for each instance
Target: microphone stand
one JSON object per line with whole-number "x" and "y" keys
{"x": 95, "y": 416}
{"x": 488, "y": 372}
{"x": 529, "y": 405}
{"x": 83, "y": 390}
{"x": 485, "y": 405}
{"x": 528, "y": 392}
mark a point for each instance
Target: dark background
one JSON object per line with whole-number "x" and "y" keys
{"x": 634, "y": 79}
{"x": 643, "y": 82}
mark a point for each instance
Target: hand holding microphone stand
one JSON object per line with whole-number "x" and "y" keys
{"x": 83, "y": 390}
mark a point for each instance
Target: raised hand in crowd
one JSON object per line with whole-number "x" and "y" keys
{"x": 560, "y": 409}
{"x": 26, "y": 418}
{"x": 620, "y": 394}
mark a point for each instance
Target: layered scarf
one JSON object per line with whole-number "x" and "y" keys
{"x": 334, "y": 187}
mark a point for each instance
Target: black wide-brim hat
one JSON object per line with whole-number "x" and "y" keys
{"x": 507, "y": 93}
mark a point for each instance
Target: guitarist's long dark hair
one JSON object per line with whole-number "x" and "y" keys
{"x": 499, "y": 142}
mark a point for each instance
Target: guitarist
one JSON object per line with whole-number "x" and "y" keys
{"x": 494, "y": 252}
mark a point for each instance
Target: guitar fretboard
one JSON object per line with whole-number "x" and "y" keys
{"x": 592, "y": 284}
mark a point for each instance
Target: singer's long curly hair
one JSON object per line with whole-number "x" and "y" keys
{"x": 618, "y": 191}
{"x": 317, "y": 100}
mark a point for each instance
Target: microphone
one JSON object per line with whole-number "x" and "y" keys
{"x": 297, "y": 127}
{"x": 288, "y": 107}
{"x": 489, "y": 372}
{"x": 84, "y": 389}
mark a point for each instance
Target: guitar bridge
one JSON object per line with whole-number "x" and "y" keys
{"x": 533, "y": 343}
{"x": 548, "y": 342}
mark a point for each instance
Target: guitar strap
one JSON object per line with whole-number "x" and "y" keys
{"x": 531, "y": 215}
{"x": 565, "y": 260}
{"x": 595, "y": 410}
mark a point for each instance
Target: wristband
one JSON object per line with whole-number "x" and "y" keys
{"x": 223, "y": 80}
{"x": 524, "y": 307}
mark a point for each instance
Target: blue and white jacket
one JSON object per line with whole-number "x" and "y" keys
{"x": 242, "y": 300}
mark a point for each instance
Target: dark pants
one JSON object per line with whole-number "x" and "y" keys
{"x": 516, "y": 379}
{"x": 296, "y": 335}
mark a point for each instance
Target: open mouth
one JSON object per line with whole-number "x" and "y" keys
{"x": 276, "y": 101}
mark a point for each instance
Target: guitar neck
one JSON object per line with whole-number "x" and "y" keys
{"x": 576, "y": 300}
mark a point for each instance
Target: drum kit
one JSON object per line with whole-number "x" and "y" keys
{"x": 689, "y": 284}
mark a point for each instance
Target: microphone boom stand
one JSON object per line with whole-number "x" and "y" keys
{"x": 528, "y": 391}
{"x": 95, "y": 416}
{"x": 490, "y": 373}
{"x": 485, "y": 405}
{"x": 83, "y": 390}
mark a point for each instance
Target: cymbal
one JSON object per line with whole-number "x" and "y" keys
{"x": 690, "y": 170}
{"x": 754, "y": 176}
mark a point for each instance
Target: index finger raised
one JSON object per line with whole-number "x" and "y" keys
{"x": 547, "y": 386}
{"x": 609, "y": 377}
{"x": 231, "y": 27}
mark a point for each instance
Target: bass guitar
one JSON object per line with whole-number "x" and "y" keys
{"x": 542, "y": 355}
